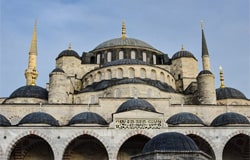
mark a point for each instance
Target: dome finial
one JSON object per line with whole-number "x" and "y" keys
{"x": 182, "y": 47}
{"x": 123, "y": 30}
{"x": 69, "y": 46}
{"x": 222, "y": 85}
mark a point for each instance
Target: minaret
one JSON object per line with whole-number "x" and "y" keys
{"x": 222, "y": 84}
{"x": 31, "y": 73}
{"x": 205, "y": 54}
{"x": 123, "y": 30}
{"x": 205, "y": 79}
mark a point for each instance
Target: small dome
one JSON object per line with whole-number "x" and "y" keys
{"x": 170, "y": 141}
{"x": 123, "y": 42}
{"x": 39, "y": 118}
{"x": 4, "y": 121}
{"x": 183, "y": 53}
{"x": 205, "y": 72}
{"x": 125, "y": 62}
{"x": 229, "y": 118}
{"x": 87, "y": 118}
{"x": 184, "y": 118}
{"x": 134, "y": 104}
{"x": 68, "y": 52}
{"x": 30, "y": 92}
{"x": 229, "y": 93}
{"x": 57, "y": 70}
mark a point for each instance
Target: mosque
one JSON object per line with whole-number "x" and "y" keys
{"x": 125, "y": 100}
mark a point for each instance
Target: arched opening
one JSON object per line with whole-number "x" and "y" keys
{"x": 109, "y": 57}
{"x": 237, "y": 147}
{"x": 144, "y": 57}
{"x": 121, "y": 55}
{"x": 162, "y": 77}
{"x": 132, "y": 146}
{"x": 143, "y": 73}
{"x": 132, "y": 54}
{"x": 119, "y": 73}
{"x": 153, "y": 74}
{"x": 32, "y": 147}
{"x": 203, "y": 145}
{"x": 85, "y": 147}
{"x": 109, "y": 74}
{"x": 131, "y": 73}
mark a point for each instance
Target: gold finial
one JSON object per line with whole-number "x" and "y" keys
{"x": 31, "y": 73}
{"x": 33, "y": 45}
{"x": 123, "y": 30}
{"x": 222, "y": 85}
{"x": 202, "y": 24}
{"x": 182, "y": 47}
{"x": 69, "y": 46}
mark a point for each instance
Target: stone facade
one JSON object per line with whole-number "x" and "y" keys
{"x": 99, "y": 83}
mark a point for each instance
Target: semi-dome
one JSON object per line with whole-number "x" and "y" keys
{"x": 38, "y": 118}
{"x": 4, "y": 121}
{"x": 183, "y": 53}
{"x": 134, "y": 104}
{"x": 229, "y": 93}
{"x": 132, "y": 42}
{"x": 125, "y": 62}
{"x": 57, "y": 70}
{"x": 229, "y": 118}
{"x": 170, "y": 141}
{"x": 30, "y": 92}
{"x": 87, "y": 118}
{"x": 68, "y": 52}
{"x": 184, "y": 118}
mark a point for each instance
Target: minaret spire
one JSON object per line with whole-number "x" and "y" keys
{"x": 31, "y": 73}
{"x": 205, "y": 54}
{"x": 123, "y": 30}
{"x": 222, "y": 84}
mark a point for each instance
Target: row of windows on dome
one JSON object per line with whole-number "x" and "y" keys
{"x": 119, "y": 73}
{"x": 148, "y": 57}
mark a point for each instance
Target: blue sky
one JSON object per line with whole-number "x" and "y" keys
{"x": 164, "y": 24}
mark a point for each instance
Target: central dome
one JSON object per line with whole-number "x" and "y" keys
{"x": 123, "y": 42}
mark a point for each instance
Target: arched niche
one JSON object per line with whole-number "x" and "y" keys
{"x": 85, "y": 147}
{"x": 237, "y": 147}
{"x": 203, "y": 145}
{"x": 132, "y": 146}
{"x": 31, "y": 147}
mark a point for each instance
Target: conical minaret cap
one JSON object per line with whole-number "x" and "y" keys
{"x": 33, "y": 46}
{"x": 204, "y": 43}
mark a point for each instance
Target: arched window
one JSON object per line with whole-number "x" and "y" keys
{"x": 162, "y": 77}
{"x": 143, "y": 73}
{"x": 99, "y": 76}
{"x": 119, "y": 73}
{"x": 131, "y": 73}
{"x": 121, "y": 55}
{"x": 144, "y": 57}
{"x": 133, "y": 54}
{"x": 168, "y": 77}
{"x": 154, "y": 59}
{"x": 109, "y": 74}
{"x": 98, "y": 59}
{"x": 153, "y": 74}
{"x": 109, "y": 57}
